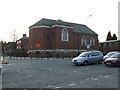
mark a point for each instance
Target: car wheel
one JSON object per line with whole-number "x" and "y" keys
{"x": 76, "y": 64}
{"x": 106, "y": 65}
{"x": 100, "y": 62}
{"x": 118, "y": 63}
{"x": 85, "y": 63}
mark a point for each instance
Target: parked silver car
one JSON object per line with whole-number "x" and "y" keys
{"x": 109, "y": 54}
{"x": 88, "y": 57}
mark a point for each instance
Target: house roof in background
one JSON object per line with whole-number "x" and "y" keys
{"x": 110, "y": 41}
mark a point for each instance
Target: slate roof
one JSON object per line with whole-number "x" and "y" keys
{"x": 25, "y": 38}
{"x": 78, "y": 28}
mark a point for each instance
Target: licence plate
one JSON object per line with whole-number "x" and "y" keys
{"x": 108, "y": 63}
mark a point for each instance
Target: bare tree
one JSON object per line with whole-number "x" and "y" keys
{"x": 14, "y": 35}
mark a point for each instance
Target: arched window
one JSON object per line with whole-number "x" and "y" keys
{"x": 83, "y": 41}
{"x": 64, "y": 35}
{"x": 92, "y": 42}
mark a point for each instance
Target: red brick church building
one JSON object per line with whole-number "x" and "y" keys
{"x": 59, "y": 38}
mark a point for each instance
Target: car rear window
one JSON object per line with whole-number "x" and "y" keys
{"x": 115, "y": 56}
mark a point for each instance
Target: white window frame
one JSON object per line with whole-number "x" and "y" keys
{"x": 62, "y": 35}
{"x": 83, "y": 41}
{"x": 92, "y": 41}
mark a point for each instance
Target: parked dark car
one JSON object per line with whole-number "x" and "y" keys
{"x": 114, "y": 60}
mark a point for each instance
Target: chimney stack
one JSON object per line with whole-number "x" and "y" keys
{"x": 24, "y": 35}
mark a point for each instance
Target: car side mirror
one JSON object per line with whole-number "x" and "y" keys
{"x": 89, "y": 56}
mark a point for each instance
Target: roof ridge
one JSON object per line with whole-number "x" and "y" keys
{"x": 62, "y": 21}
{"x": 74, "y": 23}
{"x": 79, "y": 28}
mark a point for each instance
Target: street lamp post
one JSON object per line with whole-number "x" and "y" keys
{"x": 87, "y": 18}
{"x": 118, "y": 34}
{"x": 78, "y": 43}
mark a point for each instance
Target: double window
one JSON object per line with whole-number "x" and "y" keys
{"x": 84, "y": 41}
{"x": 64, "y": 35}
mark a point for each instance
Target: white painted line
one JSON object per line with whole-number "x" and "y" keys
{"x": 26, "y": 71}
{"x": 91, "y": 77}
{"x": 106, "y": 76}
{"x": 75, "y": 71}
{"x": 95, "y": 79}
{"x": 19, "y": 72}
{"x": 50, "y": 86}
{"x": 72, "y": 84}
{"x": 81, "y": 82}
{"x": 100, "y": 76}
{"x": 57, "y": 87}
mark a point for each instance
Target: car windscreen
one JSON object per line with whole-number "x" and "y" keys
{"x": 110, "y": 54}
{"x": 84, "y": 54}
{"x": 115, "y": 56}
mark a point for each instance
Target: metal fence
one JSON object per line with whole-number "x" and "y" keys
{"x": 41, "y": 58}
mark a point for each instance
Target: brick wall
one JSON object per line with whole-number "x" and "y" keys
{"x": 50, "y": 39}
{"x": 109, "y": 46}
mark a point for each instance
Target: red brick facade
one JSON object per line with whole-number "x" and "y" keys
{"x": 112, "y": 45}
{"x": 47, "y": 41}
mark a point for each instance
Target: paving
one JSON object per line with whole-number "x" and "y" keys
{"x": 53, "y": 73}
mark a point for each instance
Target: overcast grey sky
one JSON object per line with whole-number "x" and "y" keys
{"x": 20, "y": 14}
